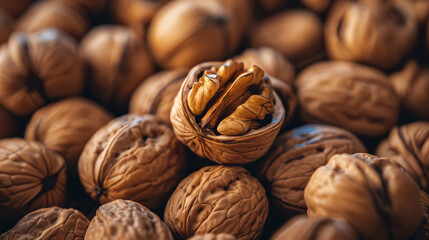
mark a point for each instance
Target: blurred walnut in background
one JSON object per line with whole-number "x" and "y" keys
{"x": 319, "y": 6}
{"x": 6, "y": 26}
{"x": 14, "y": 7}
{"x": 421, "y": 10}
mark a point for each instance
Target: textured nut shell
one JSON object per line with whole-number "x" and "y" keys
{"x": 319, "y": 6}
{"x": 302, "y": 228}
{"x": 132, "y": 157}
{"x": 360, "y": 32}
{"x": 211, "y": 236}
{"x": 218, "y": 199}
{"x": 156, "y": 94}
{"x": 118, "y": 62}
{"x": 66, "y": 126}
{"x": 49, "y": 55}
{"x": 49, "y": 223}
{"x": 123, "y": 219}
{"x": 221, "y": 149}
{"x": 378, "y": 201}
{"x": 31, "y": 177}
{"x": 355, "y": 97}
{"x": 14, "y": 8}
{"x": 293, "y": 158}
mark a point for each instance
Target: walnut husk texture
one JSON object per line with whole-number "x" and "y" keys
{"x": 124, "y": 219}
{"x": 218, "y": 199}
{"x": 52, "y": 223}
{"x": 133, "y": 157}
{"x": 212, "y": 236}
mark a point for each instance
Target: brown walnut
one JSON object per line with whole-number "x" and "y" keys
{"x": 118, "y": 62}
{"x": 49, "y": 224}
{"x": 374, "y": 195}
{"x": 156, "y": 94}
{"x": 211, "y": 236}
{"x": 124, "y": 219}
{"x": 14, "y": 8}
{"x": 31, "y": 177}
{"x": 37, "y": 68}
{"x": 293, "y": 158}
{"x": 66, "y": 126}
{"x": 218, "y": 199}
{"x": 319, "y": 6}
{"x": 304, "y": 228}
{"x": 355, "y": 97}
{"x": 133, "y": 157}
{"x": 223, "y": 110}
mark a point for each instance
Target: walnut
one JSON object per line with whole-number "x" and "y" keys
{"x": 156, "y": 94}
{"x": 37, "y": 68}
{"x": 376, "y": 32}
{"x": 319, "y": 6}
{"x": 31, "y": 177}
{"x": 355, "y": 97}
{"x": 412, "y": 86}
{"x": 301, "y": 227}
{"x": 211, "y": 236}
{"x": 118, "y": 61}
{"x": 298, "y": 36}
{"x": 421, "y": 10}
{"x": 218, "y": 199}
{"x": 124, "y": 219}
{"x": 49, "y": 223}
{"x": 294, "y": 157}
{"x": 66, "y": 126}
{"x": 14, "y": 8}
{"x": 408, "y": 145}
{"x": 133, "y": 157}
{"x": 222, "y": 111}
{"x": 45, "y": 14}
{"x": 374, "y": 195}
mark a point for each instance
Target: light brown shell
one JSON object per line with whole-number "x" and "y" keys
{"x": 212, "y": 236}
{"x": 295, "y": 155}
{"x": 219, "y": 148}
{"x": 218, "y": 199}
{"x": 124, "y": 219}
{"x": 133, "y": 157}
{"x": 66, "y": 126}
{"x": 352, "y": 96}
{"x": 31, "y": 177}
{"x": 52, "y": 223}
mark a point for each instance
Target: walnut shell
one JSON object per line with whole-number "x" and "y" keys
{"x": 218, "y": 199}
{"x": 49, "y": 223}
{"x": 31, "y": 177}
{"x": 293, "y": 158}
{"x": 319, "y": 6}
{"x": 14, "y": 8}
{"x": 54, "y": 14}
{"x": 374, "y": 32}
{"x": 156, "y": 94}
{"x": 124, "y": 219}
{"x": 301, "y": 228}
{"x": 211, "y": 236}
{"x": 133, "y": 157}
{"x": 374, "y": 195}
{"x": 118, "y": 61}
{"x": 355, "y": 97}
{"x": 37, "y": 68}
{"x": 66, "y": 126}
{"x": 298, "y": 36}
{"x": 408, "y": 145}
{"x": 220, "y": 148}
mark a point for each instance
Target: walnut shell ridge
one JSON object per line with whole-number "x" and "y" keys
{"x": 219, "y": 148}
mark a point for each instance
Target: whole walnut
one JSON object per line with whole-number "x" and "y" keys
{"x": 408, "y": 145}
{"x": 49, "y": 223}
{"x": 412, "y": 86}
{"x": 124, "y": 219}
{"x": 66, "y": 126}
{"x": 319, "y": 6}
{"x": 374, "y": 195}
{"x": 9, "y": 126}
{"x": 301, "y": 228}
{"x": 376, "y": 32}
{"x": 133, "y": 157}
{"x": 218, "y": 199}
{"x": 297, "y": 34}
{"x": 54, "y": 14}
{"x": 352, "y": 96}
{"x": 212, "y": 236}
{"x": 16, "y": 7}
{"x": 293, "y": 158}
{"x": 156, "y": 94}
{"x": 6, "y": 26}
{"x": 31, "y": 177}
{"x": 272, "y": 61}
{"x": 37, "y": 68}
{"x": 118, "y": 62}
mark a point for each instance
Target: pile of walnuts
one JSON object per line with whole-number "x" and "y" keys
{"x": 214, "y": 119}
